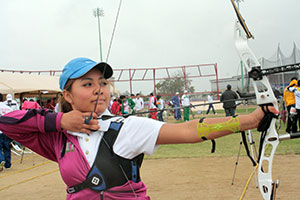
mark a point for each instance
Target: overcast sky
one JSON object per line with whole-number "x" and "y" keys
{"x": 46, "y": 34}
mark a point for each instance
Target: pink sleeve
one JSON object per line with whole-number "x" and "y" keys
{"x": 38, "y": 130}
{"x": 32, "y": 120}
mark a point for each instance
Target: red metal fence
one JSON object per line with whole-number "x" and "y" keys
{"x": 153, "y": 75}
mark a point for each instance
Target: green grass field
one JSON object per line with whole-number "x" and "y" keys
{"x": 225, "y": 146}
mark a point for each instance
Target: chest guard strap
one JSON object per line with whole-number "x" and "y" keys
{"x": 110, "y": 170}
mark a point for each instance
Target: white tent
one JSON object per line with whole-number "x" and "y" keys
{"x": 33, "y": 85}
{"x": 16, "y": 83}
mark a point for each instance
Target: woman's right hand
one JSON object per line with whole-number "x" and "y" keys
{"x": 74, "y": 121}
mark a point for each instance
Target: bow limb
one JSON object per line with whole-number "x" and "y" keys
{"x": 264, "y": 95}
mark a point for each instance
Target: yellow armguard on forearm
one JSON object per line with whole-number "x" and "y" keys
{"x": 233, "y": 124}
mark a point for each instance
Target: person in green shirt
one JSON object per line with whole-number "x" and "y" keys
{"x": 127, "y": 105}
{"x": 131, "y": 103}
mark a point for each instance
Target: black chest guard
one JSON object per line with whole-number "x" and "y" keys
{"x": 110, "y": 170}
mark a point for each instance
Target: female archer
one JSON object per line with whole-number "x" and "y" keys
{"x": 100, "y": 158}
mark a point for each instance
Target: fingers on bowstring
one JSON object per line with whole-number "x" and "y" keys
{"x": 89, "y": 120}
{"x": 88, "y": 114}
{"x": 95, "y": 116}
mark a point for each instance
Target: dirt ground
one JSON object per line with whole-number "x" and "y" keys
{"x": 167, "y": 179}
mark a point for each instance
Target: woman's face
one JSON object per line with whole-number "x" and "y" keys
{"x": 84, "y": 93}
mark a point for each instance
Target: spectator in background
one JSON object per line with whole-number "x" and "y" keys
{"x": 5, "y": 147}
{"x": 289, "y": 100}
{"x": 31, "y": 104}
{"x": 228, "y": 98}
{"x": 139, "y": 103}
{"x": 49, "y": 105}
{"x": 160, "y": 107}
{"x": 127, "y": 105}
{"x": 54, "y": 101}
{"x": 152, "y": 106}
{"x": 133, "y": 97}
{"x": 176, "y": 103}
{"x": 116, "y": 107}
{"x": 11, "y": 102}
{"x": 185, "y": 101}
{"x": 124, "y": 105}
{"x": 296, "y": 91}
{"x": 131, "y": 103}
{"x": 210, "y": 106}
{"x": 39, "y": 102}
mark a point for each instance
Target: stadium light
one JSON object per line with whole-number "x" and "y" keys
{"x": 98, "y": 12}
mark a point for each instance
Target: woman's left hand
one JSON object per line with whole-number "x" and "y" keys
{"x": 259, "y": 114}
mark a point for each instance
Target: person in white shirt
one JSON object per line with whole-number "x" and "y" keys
{"x": 160, "y": 106}
{"x": 5, "y": 147}
{"x": 210, "y": 106}
{"x": 11, "y": 102}
{"x": 139, "y": 103}
{"x": 152, "y": 106}
{"x": 185, "y": 101}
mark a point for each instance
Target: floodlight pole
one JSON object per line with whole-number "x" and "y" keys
{"x": 98, "y": 12}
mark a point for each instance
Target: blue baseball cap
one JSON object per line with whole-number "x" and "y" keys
{"x": 79, "y": 67}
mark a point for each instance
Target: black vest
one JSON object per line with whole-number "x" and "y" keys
{"x": 110, "y": 170}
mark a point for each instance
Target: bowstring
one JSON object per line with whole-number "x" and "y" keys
{"x": 89, "y": 118}
{"x": 107, "y": 56}
{"x": 113, "y": 33}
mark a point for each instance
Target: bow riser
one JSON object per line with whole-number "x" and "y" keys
{"x": 264, "y": 95}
